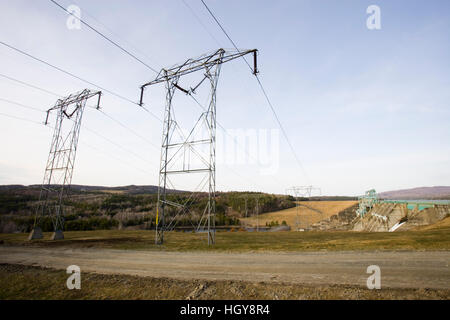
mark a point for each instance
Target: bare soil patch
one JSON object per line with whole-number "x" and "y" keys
{"x": 399, "y": 269}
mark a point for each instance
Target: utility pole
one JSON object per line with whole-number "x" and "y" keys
{"x": 172, "y": 147}
{"x": 257, "y": 214}
{"x": 246, "y": 210}
{"x": 61, "y": 160}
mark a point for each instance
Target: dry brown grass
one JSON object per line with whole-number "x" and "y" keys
{"x": 435, "y": 239}
{"x": 443, "y": 224}
{"x": 306, "y": 216}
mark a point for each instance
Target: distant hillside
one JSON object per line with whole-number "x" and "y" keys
{"x": 132, "y": 189}
{"x": 330, "y": 198}
{"x": 438, "y": 192}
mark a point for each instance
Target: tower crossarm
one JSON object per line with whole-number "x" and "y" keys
{"x": 192, "y": 65}
{"x": 63, "y": 104}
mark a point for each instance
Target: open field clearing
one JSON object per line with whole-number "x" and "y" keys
{"x": 27, "y": 282}
{"x": 309, "y": 212}
{"x": 433, "y": 239}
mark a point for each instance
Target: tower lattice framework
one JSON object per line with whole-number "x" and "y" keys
{"x": 301, "y": 192}
{"x": 172, "y": 148}
{"x": 60, "y": 162}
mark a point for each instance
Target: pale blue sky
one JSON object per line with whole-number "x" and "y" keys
{"x": 363, "y": 108}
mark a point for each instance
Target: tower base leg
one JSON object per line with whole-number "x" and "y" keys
{"x": 36, "y": 233}
{"x": 57, "y": 235}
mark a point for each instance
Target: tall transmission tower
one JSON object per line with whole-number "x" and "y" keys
{"x": 60, "y": 162}
{"x": 300, "y": 192}
{"x": 177, "y": 149}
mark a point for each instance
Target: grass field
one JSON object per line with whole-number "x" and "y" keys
{"x": 27, "y": 282}
{"x": 306, "y": 211}
{"x": 437, "y": 238}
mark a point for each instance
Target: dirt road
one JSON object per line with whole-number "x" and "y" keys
{"x": 428, "y": 269}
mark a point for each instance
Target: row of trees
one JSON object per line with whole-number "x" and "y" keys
{"x": 252, "y": 203}
{"x": 106, "y": 211}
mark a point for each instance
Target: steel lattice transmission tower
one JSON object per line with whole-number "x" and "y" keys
{"x": 257, "y": 208}
{"x": 210, "y": 65}
{"x": 60, "y": 162}
{"x": 301, "y": 192}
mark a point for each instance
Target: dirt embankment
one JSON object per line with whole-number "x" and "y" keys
{"x": 337, "y": 222}
{"x": 384, "y": 217}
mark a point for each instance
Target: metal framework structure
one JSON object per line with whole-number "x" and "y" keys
{"x": 60, "y": 162}
{"x": 171, "y": 148}
{"x": 256, "y": 209}
{"x": 366, "y": 202}
{"x": 300, "y": 192}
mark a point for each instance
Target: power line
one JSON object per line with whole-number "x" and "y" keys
{"x": 212, "y": 36}
{"x": 125, "y": 127}
{"x": 228, "y": 134}
{"x": 85, "y": 12}
{"x": 43, "y": 111}
{"x": 116, "y": 45}
{"x": 112, "y": 156}
{"x": 134, "y": 57}
{"x": 282, "y": 129}
{"x": 109, "y": 140}
{"x": 94, "y": 132}
{"x": 52, "y": 93}
{"x": 105, "y": 37}
{"x": 197, "y": 102}
{"x": 22, "y": 105}
{"x": 30, "y": 85}
{"x": 84, "y": 143}
{"x": 129, "y": 129}
{"x": 226, "y": 34}
{"x": 220, "y": 126}
{"x": 65, "y": 72}
{"x": 77, "y": 77}
{"x": 120, "y": 47}
{"x": 116, "y": 144}
{"x": 20, "y": 118}
{"x": 201, "y": 23}
{"x": 263, "y": 91}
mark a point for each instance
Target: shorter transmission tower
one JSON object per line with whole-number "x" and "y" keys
{"x": 60, "y": 162}
{"x": 256, "y": 210}
{"x": 300, "y": 192}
